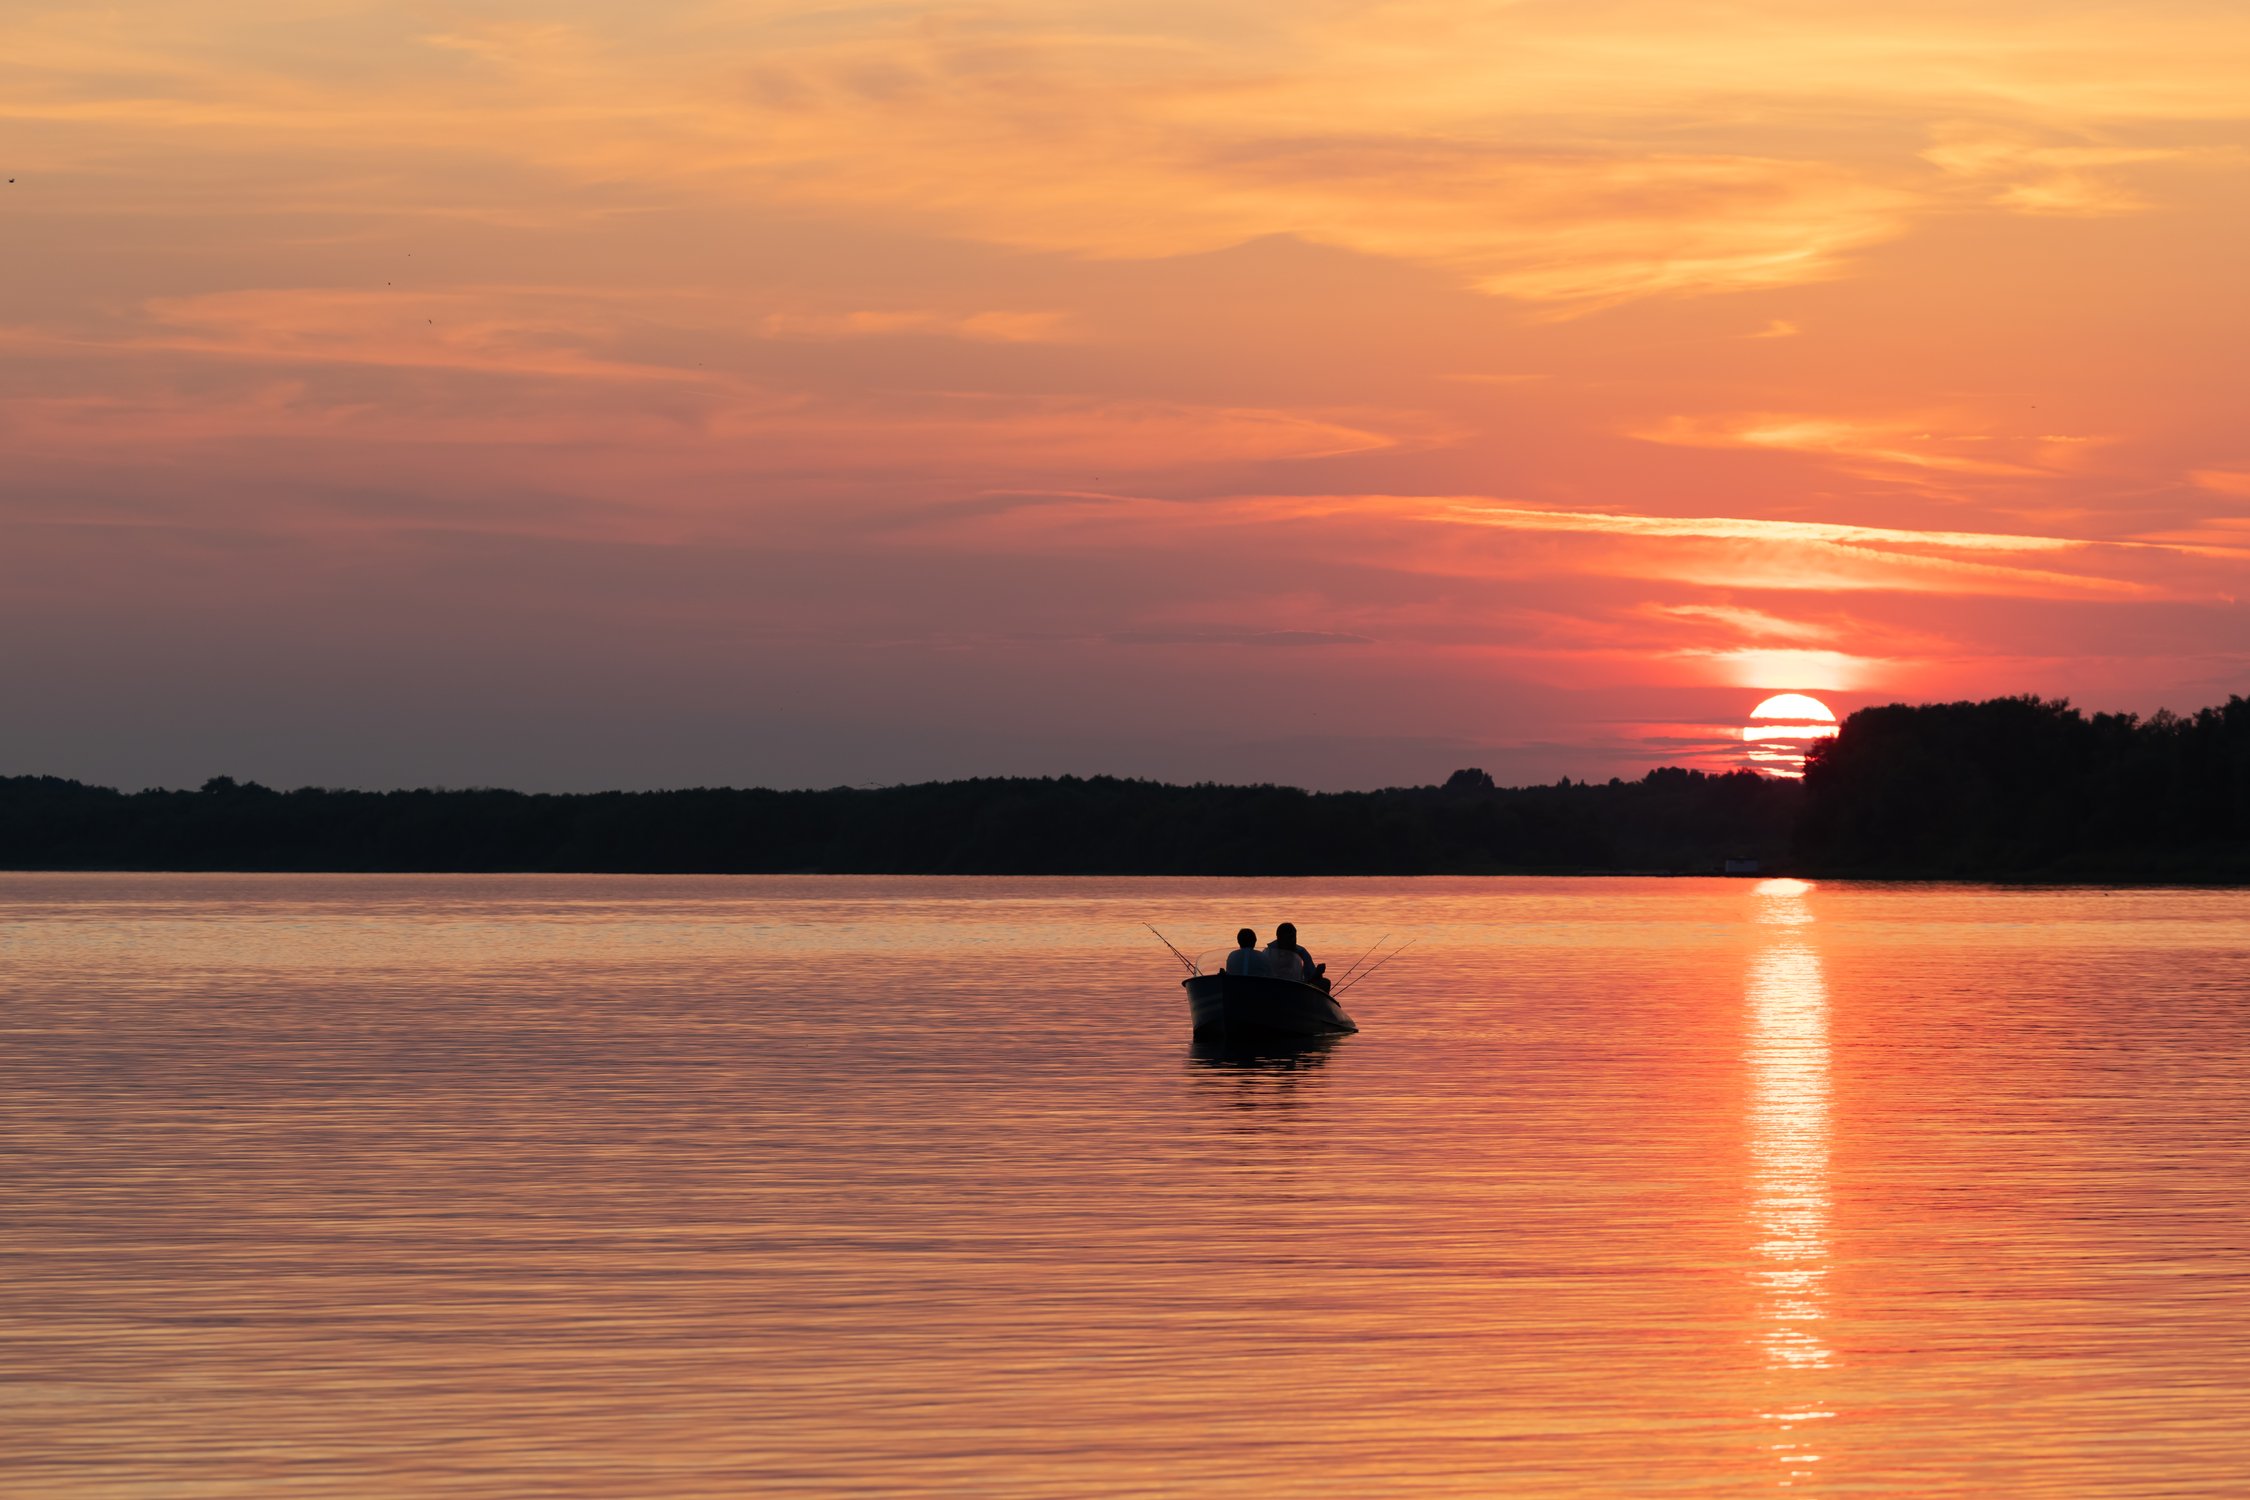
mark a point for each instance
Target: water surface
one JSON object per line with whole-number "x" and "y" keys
{"x": 577, "y": 1186}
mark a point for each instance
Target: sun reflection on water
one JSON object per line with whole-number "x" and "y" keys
{"x": 1787, "y": 1002}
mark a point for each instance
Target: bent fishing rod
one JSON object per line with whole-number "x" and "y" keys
{"x": 1185, "y": 961}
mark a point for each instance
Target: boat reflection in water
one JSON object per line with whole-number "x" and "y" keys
{"x": 1786, "y": 997}
{"x": 1260, "y": 1073}
{"x": 1270, "y": 1054}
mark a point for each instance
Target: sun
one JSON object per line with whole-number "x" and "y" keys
{"x": 1782, "y": 729}
{"x": 1794, "y": 706}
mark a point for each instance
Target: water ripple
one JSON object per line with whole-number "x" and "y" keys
{"x": 567, "y": 1186}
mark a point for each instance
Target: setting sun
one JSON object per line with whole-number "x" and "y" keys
{"x": 1782, "y": 728}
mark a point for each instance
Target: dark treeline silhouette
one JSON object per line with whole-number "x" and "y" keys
{"x": 1669, "y": 820}
{"x": 2015, "y": 788}
{"x": 2028, "y": 788}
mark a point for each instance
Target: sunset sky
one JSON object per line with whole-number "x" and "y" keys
{"x": 573, "y": 395}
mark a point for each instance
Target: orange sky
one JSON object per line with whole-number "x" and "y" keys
{"x": 577, "y": 395}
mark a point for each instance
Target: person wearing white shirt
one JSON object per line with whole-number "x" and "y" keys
{"x": 1286, "y": 959}
{"x": 1245, "y": 959}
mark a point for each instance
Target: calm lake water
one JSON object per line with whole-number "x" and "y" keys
{"x": 345, "y": 1186}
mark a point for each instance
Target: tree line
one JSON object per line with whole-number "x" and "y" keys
{"x": 2030, "y": 788}
{"x": 2011, "y": 788}
{"x": 1068, "y": 825}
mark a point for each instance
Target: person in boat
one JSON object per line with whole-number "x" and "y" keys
{"x": 1245, "y": 958}
{"x": 1290, "y": 961}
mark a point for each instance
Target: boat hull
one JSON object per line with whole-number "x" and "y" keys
{"x": 1254, "y": 1005}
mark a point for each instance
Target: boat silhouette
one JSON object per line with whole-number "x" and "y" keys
{"x": 1223, "y": 1005}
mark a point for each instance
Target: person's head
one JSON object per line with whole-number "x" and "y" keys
{"x": 1246, "y": 939}
{"x": 1286, "y": 934}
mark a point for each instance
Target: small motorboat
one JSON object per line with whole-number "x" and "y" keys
{"x": 1230, "y": 1008}
{"x": 1257, "y": 1004}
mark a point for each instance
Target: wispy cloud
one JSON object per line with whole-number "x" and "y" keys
{"x": 2223, "y": 481}
{"x": 980, "y": 327}
{"x": 1751, "y": 624}
{"x": 1424, "y": 535}
{"x": 1894, "y": 443}
{"x": 1743, "y": 528}
{"x": 1557, "y": 155}
{"x": 2018, "y": 170}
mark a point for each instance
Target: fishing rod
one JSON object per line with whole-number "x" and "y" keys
{"x": 1386, "y": 958}
{"x": 1188, "y": 962}
{"x": 1379, "y": 942}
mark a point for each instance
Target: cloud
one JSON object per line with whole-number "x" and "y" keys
{"x": 982, "y": 327}
{"x": 566, "y": 368}
{"x": 1820, "y": 671}
{"x": 1429, "y": 537}
{"x": 2222, "y": 481}
{"x": 1110, "y": 132}
{"x": 1744, "y": 528}
{"x": 1893, "y": 443}
{"x": 1570, "y": 156}
{"x": 2017, "y": 170}
{"x": 1811, "y": 556}
{"x": 1753, "y": 624}
{"x": 519, "y": 330}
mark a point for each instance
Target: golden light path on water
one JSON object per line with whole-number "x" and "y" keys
{"x": 1786, "y": 998}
